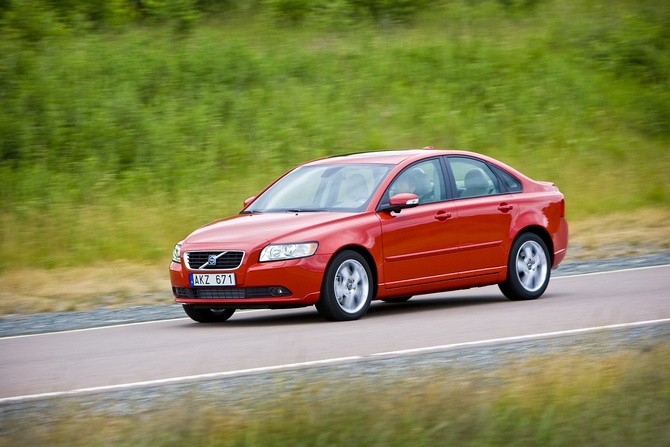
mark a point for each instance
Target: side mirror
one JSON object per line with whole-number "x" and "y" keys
{"x": 402, "y": 201}
{"x": 248, "y": 201}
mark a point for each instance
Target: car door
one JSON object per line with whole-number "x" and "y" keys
{"x": 420, "y": 244}
{"x": 485, "y": 215}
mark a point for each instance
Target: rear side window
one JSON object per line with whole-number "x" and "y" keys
{"x": 473, "y": 177}
{"x": 512, "y": 184}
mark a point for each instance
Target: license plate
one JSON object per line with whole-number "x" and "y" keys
{"x": 211, "y": 279}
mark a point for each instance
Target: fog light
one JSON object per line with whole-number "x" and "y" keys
{"x": 279, "y": 291}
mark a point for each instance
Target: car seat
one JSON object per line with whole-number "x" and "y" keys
{"x": 476, "y": 184}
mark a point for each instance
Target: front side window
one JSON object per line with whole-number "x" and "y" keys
{"x": 425, "y": 179}
{"x": 473, "y": 178}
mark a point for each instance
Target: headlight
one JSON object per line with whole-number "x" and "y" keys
{"x": 282, "y": 252}
{"x": 175, "y": 253}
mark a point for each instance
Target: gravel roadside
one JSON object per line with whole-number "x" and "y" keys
{"x": 16, "y": 324}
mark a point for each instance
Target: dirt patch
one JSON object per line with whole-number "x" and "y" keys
{"x": 620, "y": 234}
{"x": 123, "y": 284}
{"x": 119, "y": 284}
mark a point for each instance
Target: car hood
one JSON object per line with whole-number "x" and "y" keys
{"x": 252, "y": 229}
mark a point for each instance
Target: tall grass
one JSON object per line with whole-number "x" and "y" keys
{"x": 114, "y": 144}
{"x": 564, "y": 399}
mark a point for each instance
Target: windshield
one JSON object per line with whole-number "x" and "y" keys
{"x": 344, "y": 187}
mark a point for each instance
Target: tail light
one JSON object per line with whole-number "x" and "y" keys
{"x": 562, "y": 207}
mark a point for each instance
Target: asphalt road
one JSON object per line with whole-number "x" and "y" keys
{"x": 173, "y": 350}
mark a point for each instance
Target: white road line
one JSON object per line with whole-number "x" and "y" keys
{"x": 578, "y": 275}
{"x": 112, "y": 326}
{"x": 339, "y": 360}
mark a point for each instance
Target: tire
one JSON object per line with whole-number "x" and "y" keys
{"x": 528, "y": 269}
{"x": 347, "y": 288}
{"x": 208, "y": 315}
{"x": 400, "y": 299}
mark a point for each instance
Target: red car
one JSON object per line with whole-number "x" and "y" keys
{"x": 342, "y": 231}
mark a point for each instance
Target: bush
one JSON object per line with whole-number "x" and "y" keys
{"x": 638, "y": 48}
{"x": 31, "y": 21}
{"x": 341, "y": 12}
{"x": 389, "y": 10}
{"x": 34, "y": 20}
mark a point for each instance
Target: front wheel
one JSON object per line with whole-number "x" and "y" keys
{"x": 528, "y": 269}
{"x": 347, "y": 288}
{"x": 208, "y": 315}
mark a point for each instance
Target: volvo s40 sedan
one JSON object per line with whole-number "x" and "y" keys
{"x": 342, "y": 231}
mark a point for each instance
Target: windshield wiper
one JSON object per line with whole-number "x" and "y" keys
{"x": 305, "y": 210}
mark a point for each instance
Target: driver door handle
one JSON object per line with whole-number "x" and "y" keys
{"x": 505, "y": 207}
{"x": 442, "y": 216}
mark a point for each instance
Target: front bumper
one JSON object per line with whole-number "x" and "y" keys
{"x": 291, "y": 283}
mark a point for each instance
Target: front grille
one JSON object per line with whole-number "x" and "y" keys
{"x": 222, "y": 260}
{"x": 226, "y": 292}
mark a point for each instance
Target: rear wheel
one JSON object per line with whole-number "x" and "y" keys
{"x": 208, "y": 315}
{"x": 528, "y": 269}
{"x": 347, "y": 289}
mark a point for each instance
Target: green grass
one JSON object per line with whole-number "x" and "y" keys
{"x": 115, "y": 144}
{"x": 565, "y": 398}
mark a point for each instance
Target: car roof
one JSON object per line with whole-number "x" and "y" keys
{"x": 393, "y": 157}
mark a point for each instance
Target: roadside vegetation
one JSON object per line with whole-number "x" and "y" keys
{"x": 126, "y": 124}
{"x": 564, "y": 398}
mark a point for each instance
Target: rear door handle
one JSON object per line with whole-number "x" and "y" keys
{"x": 505, "y": 207}
{"x": 442, "y": 216}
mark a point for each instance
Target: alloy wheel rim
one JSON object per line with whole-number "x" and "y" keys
{"x": 531, "y": 266}
{"x": 351, "y": 286}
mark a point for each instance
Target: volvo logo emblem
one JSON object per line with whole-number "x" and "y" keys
{"x": 211, "y": 260}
